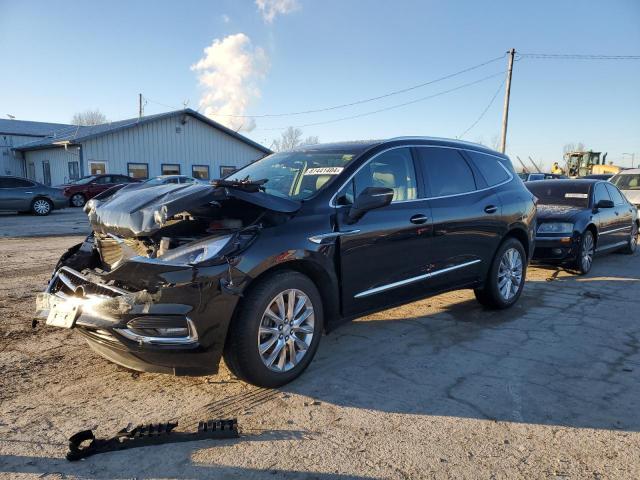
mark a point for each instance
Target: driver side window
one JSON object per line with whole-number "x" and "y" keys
{"x": 391, "y": 169}
{"x": 600, "y": 193}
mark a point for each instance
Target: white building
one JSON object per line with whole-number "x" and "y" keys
{"x": 180, "y": 142}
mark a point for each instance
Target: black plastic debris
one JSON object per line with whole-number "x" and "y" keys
{"x": 146, "y": 435}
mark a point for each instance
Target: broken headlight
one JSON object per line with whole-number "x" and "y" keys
{"x": 196, "y": 252}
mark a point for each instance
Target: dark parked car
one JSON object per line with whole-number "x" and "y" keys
{"x": 80, "y": 191}
{"x": 259, "y": 264}
{"x": 164, "y": 179}
{"x": 534, "y": 177}
{"x": 24, "y": 195}
{"x": 579, "y": 218}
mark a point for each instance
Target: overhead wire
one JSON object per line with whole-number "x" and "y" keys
{"x": 486, "y": 109}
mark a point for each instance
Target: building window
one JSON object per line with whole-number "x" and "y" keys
{"x": 226, "y": 170}
{"x": 170, "y": 169}
{"x": 97, "y": 168}
{"x": 200, "y": 172}
{"x": 46, "y": 172}
{"x": 74, "y": 171}
{"x": 138, "y": 170}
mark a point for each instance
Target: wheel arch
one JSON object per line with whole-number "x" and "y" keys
{"x": 519, "y": 234}
{"x": 594, "y": 231}
{"x": 326, "y": 285}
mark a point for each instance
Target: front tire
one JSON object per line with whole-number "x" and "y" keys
{"x": 586, "y": 251}
{"x": 77, "y": 200}
{"x": 505, "y": 280}
{"x": 41, "y": 207}
{"x": 276, "y": 332}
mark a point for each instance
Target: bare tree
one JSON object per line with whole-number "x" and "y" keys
{"x": 89, "y": 117}
{"x": 291, "y": 138}
{"x": 574, "y": 147}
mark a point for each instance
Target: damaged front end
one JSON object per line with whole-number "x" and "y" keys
{"x": 155, "y": 285}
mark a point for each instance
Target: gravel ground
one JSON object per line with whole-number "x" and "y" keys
{"x": 440, "y": 388}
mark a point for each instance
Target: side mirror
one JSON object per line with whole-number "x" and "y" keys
{"x": 370, "y": 199}
{"x": 604, "y": 204}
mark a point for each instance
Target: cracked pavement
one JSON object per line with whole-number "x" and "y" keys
{"x": 440, "y": 388}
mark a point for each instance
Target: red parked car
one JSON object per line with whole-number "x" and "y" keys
{"x": 80, "y": 191}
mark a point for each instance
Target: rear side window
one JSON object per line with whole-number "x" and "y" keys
{"x": 446, "y": 171}
{"x": 615, "y": 195}
{"x": 490, "y": 168}
{"x": 600, "y": 193}
{"x": 14, "y": 183}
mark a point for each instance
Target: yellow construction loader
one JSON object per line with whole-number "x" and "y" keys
{"x": 582, "y": 163}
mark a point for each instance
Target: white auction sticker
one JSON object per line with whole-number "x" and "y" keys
{"x": 576, "y": 195}
{"x": 324, "y": 171}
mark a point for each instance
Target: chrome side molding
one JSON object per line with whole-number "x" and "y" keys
{"x": 408, "y": 281}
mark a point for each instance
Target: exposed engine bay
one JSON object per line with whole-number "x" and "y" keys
{"x": 176, "y": 223}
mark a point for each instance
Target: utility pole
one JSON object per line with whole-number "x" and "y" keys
{"x": 140, "y": 107}
{"x": 507, "y": 93}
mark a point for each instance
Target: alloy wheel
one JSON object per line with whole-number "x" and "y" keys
{"x": 587, "y": 252}
{"x": 77, "y": 200}
{"x": 41, "y": 207}
{"x": 510, "y": 273}
{"x": 286, "y": 330}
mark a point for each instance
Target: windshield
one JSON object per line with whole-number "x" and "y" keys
{"x": 294, "y": 175}
{"x": 84, "y": 180}
{"x": 560, "y": 193}
{"x": 629, "y": 181}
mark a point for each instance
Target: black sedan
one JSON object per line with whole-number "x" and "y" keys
{"x": 579, "y": 218}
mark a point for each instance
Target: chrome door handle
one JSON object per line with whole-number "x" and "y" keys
{"x": 28, "y": 193}
{"x": 418, "y": 219}
{"x": 491, "y": 209}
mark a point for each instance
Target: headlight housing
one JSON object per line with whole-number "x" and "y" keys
{"x": 196, "y": 252}
{"x": 555, "y": 227}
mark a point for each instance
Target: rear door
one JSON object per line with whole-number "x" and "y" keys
{"x": 466, "y": 213}
{"x": 385, "y": 255}
{"x": 623, "y": 213}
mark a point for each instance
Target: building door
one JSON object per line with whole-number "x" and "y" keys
{"x": 46, "y": 172}
{"x": 74, "y": 171}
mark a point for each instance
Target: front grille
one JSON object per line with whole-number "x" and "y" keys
{"x": 113, "y": 249}
{"x": 68, "y": 282}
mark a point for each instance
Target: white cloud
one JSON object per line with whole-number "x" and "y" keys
{"x": 226, "y": 18}
{"x": 228, "y": 73}
{"x": 271, "y": 8}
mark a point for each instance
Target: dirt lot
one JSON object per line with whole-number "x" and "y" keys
{"x": 437, "y": 389}
{"x": 69, "y": 221}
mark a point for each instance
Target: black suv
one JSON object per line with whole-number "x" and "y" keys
{"x": 256, "y": 266}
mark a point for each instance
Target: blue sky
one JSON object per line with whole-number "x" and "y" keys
{"x": 62, "y": 57}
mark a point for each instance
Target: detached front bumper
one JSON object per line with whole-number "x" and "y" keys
{"x": 556, "y": 248}
{"x": 178, "y": 329}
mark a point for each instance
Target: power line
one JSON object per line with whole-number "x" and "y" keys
{"x": 563, "y": 56}
{"x": 486, "y": 109}
{"x": 366, "y": 100}
{"x": 465, "y": 85}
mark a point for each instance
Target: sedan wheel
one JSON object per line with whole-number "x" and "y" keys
{"x": 286, "y": 330}
{"x": 77, "y": 200}
{"x": 587, "y": 250}
{"x": 41, "y": 206}
{"x": 632, "y": 244}
{"x": 510, "y": 273}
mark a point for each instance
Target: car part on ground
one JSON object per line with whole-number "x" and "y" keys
{"x": 146, "y": 435}
{"x": 578, "y": 219}
{"x": 175, "y": 276}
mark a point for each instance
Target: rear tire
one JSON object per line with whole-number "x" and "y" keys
{"x": 505, "y": 279}
{"x": 586, "y": 251}
{"x": 41, "y": 207}
{"x": 268, "y": 344}
{"x": 632, "y": 243}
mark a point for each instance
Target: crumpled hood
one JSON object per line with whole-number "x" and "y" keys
{"x": 134, "y": 211}
{"x": 558, "y": 212}
{"x": 632, "y": 195}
